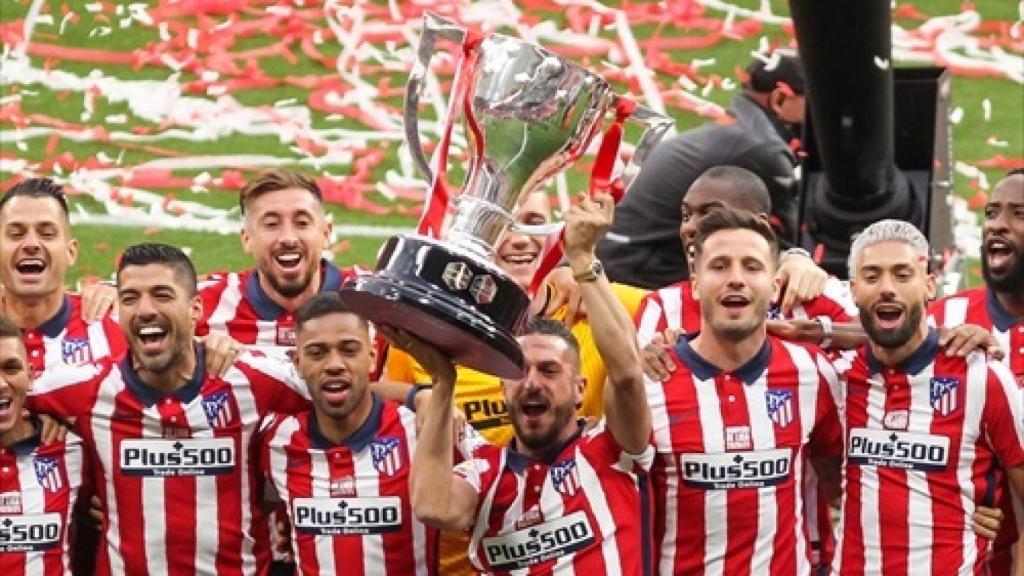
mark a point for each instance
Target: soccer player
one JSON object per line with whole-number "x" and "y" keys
{"x": 35, "y": 253}
{"x": 558, "y": 497}
{"x": 739, "y": 420}
{"x": 675, "y": 308}
{"x": 173, "y": 444}
{"x": 39, "y": 482}
{"x": 999, "y": 308}
{"x": 928, "y": 434}
{"x": 342, "y": 468}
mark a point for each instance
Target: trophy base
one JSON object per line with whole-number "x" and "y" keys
{"x": 408, "y": 292}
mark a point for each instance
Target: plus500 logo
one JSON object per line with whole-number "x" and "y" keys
{"x": 728, "y": 470}
{"x": 896, "y": 449}
{"x": 29, "y": 533}
{"x": 184, "y": 457}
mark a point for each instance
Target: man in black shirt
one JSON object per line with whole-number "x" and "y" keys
{"x": 643, "y": 246}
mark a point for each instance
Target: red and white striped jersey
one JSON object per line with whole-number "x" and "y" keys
{"x": 732, "y": 452}
{"x": 925, "y": 442}
{"x": 979, "y": 306}
{"x": 349, "y": 503}
{"x": 674, "y": 308}
{"x": 584, "y": 510}
{"x": 38, "y": 487}
{"x": 66, "y": 339}
{"x": 176, "y": 473}
{"x": 235, "y": 304}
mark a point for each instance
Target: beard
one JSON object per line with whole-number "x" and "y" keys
{"x": 544, "y": 439}
{"x": 892, "y": 338}
{"x": 291, "y": 289}
{"x": 1011, "y": 280}
{"x": 734, "y": 331}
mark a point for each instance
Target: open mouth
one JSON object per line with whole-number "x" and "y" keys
{"x": 152, "y": 338}
{"x": 521, "y": 259}
{"x": 999, "y": 253}
{"x": 889, "y": 316}
{"x": 735, "y": 302}
{"x": 30, "y": 266}
{"x": 534, "y": 408}
{"x": 289, "y": 261}
{"x": 5, "y": 407}
{"x": 336, "y": 391}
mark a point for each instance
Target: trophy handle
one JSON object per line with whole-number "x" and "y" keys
{"x": 657, "y": 125}
{"x": 433, "y": 27}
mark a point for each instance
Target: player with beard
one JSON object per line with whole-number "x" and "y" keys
{"x": 927, "y": 434}
{"x": 998, "y": 307}
{"x": 171, "y": 442}
{"x": 739, "y": 420}
{"x": 39, "y": 481}
{"x": 342, "y": 468}
{"x": 558, "y": 497}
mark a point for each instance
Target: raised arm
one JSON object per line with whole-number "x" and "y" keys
{"x": 625, "y": 402}
{"x": 439, "y": 497}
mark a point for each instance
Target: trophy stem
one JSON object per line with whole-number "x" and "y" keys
{"x": 477, "y": 224}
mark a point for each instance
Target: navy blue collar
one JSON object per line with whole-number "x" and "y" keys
{"x": 517, "y": 461}
{"x": 267, "y": 309}
{"x": 359, "y": 439}
{"x": 55, "y": 325}
{"x": 27, "y": 445}
{"x": 918, "y": 360}
{"x": 1002, "y": 319}
{"x": 148, "y": 396}
{"x": 705, "y": 370}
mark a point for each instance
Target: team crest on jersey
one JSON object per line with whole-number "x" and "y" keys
{"x": 218, "y": 409}
{"x": 565, "y": 477}
{"x": 285, "y": 336}
{"x": 343, "y": 487}
{"x": 780, "y": 406}
{"x": 774, "y": 312}
{"x": 944, "y": 391}
{"x": 75, "y": 351}
{"x": 48, "y": 473}
{"x": 387, "y": 458}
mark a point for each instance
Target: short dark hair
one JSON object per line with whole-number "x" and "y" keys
{"x": 323, "y": 304}
{"x": 550, "y": 327}
{"x": 1015, "y": 172}
{"x": 37, "y": 188}
{"x": 746, "y": 187}
{"x": 274, "y": 180}
{"x": 164, "y": 254}
{"x": 729, "y": 219}
{"x": 766, "y": 72}
{"x": 8, "y": 329}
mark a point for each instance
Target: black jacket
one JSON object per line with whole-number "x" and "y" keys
{"x": 643, "y": 246}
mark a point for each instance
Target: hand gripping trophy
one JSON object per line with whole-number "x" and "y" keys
{"x": 529, "y": 114}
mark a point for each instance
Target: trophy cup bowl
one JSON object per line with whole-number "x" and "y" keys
{"x": 536, "y": 113}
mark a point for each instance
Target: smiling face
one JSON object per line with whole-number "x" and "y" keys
{"x": 518, "y": 254}
{"x": 542, "y": 405}
{"x": 37, "y": 248}
{"x": 1002, "y": 262}
{"x": 734, "y": 281}
{"x": 891, "y": 286}
{"x": 333, "y": 355}
{"x": 158, "y": 315}
{"x": 286, "y": 232}
{"x": 14, "y": 384}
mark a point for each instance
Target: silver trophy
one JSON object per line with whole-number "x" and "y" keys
{"x": 535, "y": 113}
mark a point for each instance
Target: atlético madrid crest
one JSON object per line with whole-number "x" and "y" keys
{"x": 943, "y": 393}
{"x": 75, "y": 351}
{"x": 780, "y": 406}
{"x": 48, "y": 473}
{"x": 387, "y": 458}
{"x": 565, "y": 477}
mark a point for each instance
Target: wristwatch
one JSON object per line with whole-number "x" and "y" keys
{"x": 794, "y": 251}
{"x": 590, "y": 273}
{"x": 826, "y": 331}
